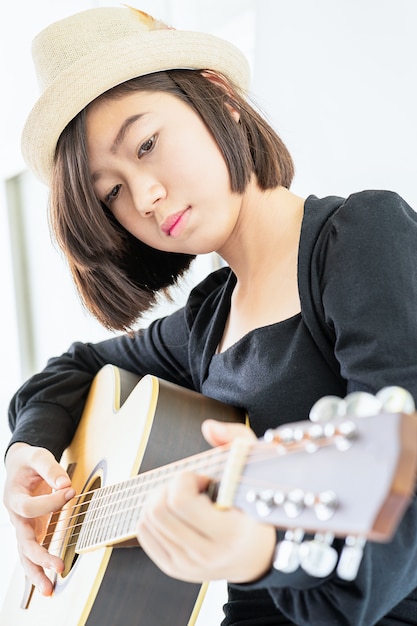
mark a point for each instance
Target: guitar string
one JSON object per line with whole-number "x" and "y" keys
{"x": 139, "y": 479}
{"x": 295, "y": 447}
{"x": 195, "y": 462}
{"x": 199, "y": 462}
{"x": 150, "y": 485}
{"x": 118, "y": 511}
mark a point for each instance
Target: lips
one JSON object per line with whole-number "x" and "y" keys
{"x": 172, "y": 223}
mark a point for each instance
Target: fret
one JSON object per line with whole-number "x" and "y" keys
{"x": 113, "y": 511}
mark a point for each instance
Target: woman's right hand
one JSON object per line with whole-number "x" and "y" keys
{"x": 35, "y": 486}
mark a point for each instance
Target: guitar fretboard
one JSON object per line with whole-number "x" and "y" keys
{"x": 110, "y": 514}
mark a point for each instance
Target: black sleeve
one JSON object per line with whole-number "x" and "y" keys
{"x": 369, "y": 296}
{"x": 369, "y": 291}
{"x": 46, "y": 410}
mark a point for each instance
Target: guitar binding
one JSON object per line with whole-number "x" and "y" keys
{"x": 69, "y": 553}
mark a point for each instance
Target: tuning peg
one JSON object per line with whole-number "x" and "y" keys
{"x": 396, "y": 400}
{"x": 350, "y": 558}
{"x": 294, "y": 503}
{"x": 287, "y": 552}
{"x": 327, "y": 408}
{"x": 345, "y": 434}
{"x": 362, "y": 404}
{"x": 317, "y": 557}
{"x": 325, "y": 505}
{"x": 284, "y": 435}
{"x": 265, "y": 500}
{"x": 315, "y": 434}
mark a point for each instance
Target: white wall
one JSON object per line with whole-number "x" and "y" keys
{"x": 338, "y": 79}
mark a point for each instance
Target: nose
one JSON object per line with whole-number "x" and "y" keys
{"x": 147, "y": 195}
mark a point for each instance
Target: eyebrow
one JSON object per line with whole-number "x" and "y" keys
{"x": 123, "y": 130}
{"x": 119, "y": 138}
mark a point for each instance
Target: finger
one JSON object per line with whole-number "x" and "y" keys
{"x": 39, "y": 556}
{"x": 45, "y": 464}
{"x": 34, "y": 565}
{"x": 35, "y": 558}
{"x": 187, "y": 536}
{"x": 37, "y": 577}
{"x": 180, "y": 513}
{"x": 173, "y": 547}
{"x": 161, "y": 516}
{"x": 155, "y": 546}
{"x": 219, "y": 433}
{"x": 35, "y": 506}
{"x": 36, "y": 462}
{"x": 187, "y": 506}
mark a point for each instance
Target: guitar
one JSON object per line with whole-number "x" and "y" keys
{"x": 350, "y": 478}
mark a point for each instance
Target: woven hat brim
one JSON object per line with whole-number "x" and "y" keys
{"x": 108, "y": 66}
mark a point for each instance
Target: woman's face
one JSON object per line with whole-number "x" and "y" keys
{"x": 156, "y": 166}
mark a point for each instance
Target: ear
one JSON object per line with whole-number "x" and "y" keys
{"x": 222, "y": 82}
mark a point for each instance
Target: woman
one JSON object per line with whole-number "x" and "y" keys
{"x": 153, "y": 155}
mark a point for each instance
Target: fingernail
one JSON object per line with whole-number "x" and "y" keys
{"x": 69, "y": 494}
{"x": 61, "y": 482}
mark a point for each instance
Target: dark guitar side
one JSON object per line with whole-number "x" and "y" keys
{"x": 134, "y": 591}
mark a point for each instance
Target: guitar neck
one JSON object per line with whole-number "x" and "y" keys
{"x": 265, "y": 479}
{"x": 109, "y": 515}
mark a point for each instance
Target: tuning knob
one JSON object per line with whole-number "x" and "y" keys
{"x": 325, "y": 505}
{"x": 350, "y": 558}
{"x": 317, "y": 557}
{"x": 345, "y": 434}
{"x": 362, "y": 404}
{"x": 396, "y": 400}
{"x": 287, "y": 552}
{"x": 326, "y": 409}
{"x": 284, "y": 435}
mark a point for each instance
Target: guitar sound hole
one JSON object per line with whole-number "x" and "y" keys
{"x": 70, "y": 556}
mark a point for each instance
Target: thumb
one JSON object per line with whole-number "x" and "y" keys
{"x": 218, "y": 433}
{"x": 22, "y": 457}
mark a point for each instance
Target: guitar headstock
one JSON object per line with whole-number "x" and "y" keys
{"x": 349, "y": 471}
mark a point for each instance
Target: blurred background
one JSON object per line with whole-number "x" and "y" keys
{"x": 335, "y": 77}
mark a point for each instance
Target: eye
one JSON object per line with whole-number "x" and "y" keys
{"x": 147, "y": 146}
{"x": 112, "y": 195}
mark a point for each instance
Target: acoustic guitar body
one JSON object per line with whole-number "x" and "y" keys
{"x": 128, "y": 426}
{"x": 351, "y": 477}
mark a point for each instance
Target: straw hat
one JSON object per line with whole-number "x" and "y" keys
{"x": 80, "y": 57}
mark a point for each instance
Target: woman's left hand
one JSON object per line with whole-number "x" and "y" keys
{"x": 189, "y": 538}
